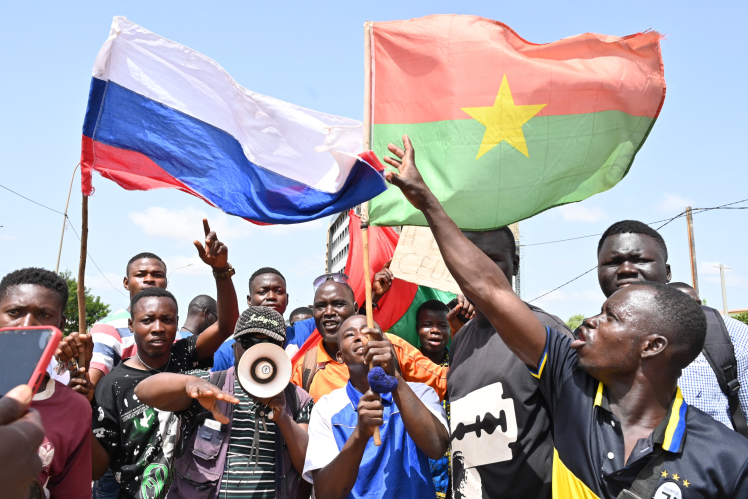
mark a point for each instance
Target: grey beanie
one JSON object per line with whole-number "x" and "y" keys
{"x": 261, "y": 320}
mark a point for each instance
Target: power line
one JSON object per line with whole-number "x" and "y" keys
{"x": 667, "y": 221}
{"x": 70, "y": 224}
{"x": 93, "y": 261}
{"x": 27, "y": 199}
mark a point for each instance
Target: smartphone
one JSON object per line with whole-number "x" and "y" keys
{"x": 25, "y": 353}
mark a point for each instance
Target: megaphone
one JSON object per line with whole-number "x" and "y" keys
{"x": 264, "y": 370}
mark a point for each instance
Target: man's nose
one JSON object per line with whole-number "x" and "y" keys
{"x": 271, "y": 296}
{"x": 158, "y": 326}
{"x": 627, "y": 268}
{"x": 30, "y": 320}
{"x": 591, "y": 322}
{"x": 330, "y": 310}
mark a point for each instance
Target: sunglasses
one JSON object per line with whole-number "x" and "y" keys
{"x": 248, "y": 342}
{"x": 337, "y": 277}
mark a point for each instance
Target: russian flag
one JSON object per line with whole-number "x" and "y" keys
{"x": 161, "y": 115}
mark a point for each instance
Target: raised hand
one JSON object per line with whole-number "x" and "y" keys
{"x": 382, "y": 282}
{"x": 378, "y": 351}
{"x": 73, "y": 346}
{"x": 208, "y": 395}
{"x": 460, "y": 314}
{"x": 215, "y": 253}
{"x": 370, "y": 413}
{"x": 408, "y": 179}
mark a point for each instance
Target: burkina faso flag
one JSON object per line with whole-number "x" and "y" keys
{"x": 503, "y": 128}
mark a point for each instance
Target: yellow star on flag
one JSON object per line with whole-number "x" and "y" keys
{"x": 503, "y": 121}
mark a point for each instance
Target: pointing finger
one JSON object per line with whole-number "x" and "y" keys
{"x": 206, "y": 226}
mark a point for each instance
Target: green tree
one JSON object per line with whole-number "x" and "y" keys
{"x": 741, "y": 317}
{"x": 95, "y": 308}
{"x": 575, "y": 321}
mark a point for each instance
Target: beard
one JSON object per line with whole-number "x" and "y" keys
{"x": 330, "y": 339}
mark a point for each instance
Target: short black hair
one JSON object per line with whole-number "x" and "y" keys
{"x": 202, "y": 302}
{"x": 148, "y": 292}
{"x": 501, "y": 230}
{"x": 433, "y": 305}
{"x": 681, "y": 285}
{"x": 632, "y": 227}
{"x": 301, "y": 310}
{"x": 264, "y": 270}
{"x": 141, "y": 256}
{"x": 37, "y": 277}
{"x": 680, "y": 318}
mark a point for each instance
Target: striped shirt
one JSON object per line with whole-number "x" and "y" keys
{"x": 699, "y": 383}
{"x": 241, "y": 479}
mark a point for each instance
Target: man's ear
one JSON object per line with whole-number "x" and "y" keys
{"x": 669, "y": 273}
{"x": 63, "y": 321}
{"x": 126, "y": 283}
{"x": 654, "y": 344}
{"x": 339, "y": 357}
{"x": 355, "y": 305}
{"x": 515, "y": 262}
{"x": 249, "y": 300}
{"x": 129, "y": 323}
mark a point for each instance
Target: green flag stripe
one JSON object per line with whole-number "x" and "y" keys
{"x": 571, "y": 157}
{"x": 406, "y": 326}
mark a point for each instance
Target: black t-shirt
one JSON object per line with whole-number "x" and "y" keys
{"x": 501, "y": 436}
{"x": 140, "y": 439}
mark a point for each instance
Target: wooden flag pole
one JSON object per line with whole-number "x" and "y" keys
{"x": 365, "y": 206}
{"x": 81, "y": 277}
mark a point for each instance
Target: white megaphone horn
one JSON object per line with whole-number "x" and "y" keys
{"x": 264, "y": 370}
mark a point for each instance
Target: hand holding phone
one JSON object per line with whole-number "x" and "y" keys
{"x": 25, "y": 353}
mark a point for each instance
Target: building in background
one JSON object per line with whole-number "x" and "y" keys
{"x": 338, "y": 244}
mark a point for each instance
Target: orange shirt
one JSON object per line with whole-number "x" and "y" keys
{"x": 415, "y": 367}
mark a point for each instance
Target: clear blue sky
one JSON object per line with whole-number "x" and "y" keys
{"x": 311, "y": 54}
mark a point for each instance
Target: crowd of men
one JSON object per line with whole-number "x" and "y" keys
{"x": 642, "y": 400}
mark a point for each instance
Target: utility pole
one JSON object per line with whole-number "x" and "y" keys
{"x": 722, "y": 269}
{"x": 692, "y": 247}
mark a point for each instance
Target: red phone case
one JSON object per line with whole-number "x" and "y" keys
{"x": 41, "y": 367}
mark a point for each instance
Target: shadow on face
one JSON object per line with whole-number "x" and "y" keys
{"x": 433, "y": 330}
{"x": 268, "y": 290}
{"x": 497, "y": 246}
{"x": 627, "y": 258}
{"x": 333, "y": 303}
{"x": 145, "y": 273}
{"x": 154, "y": 325}
{"x": 31, "y": 305}
{"x": 351, "y": 339}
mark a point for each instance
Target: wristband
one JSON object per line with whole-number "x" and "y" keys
{"x": 225, "y": 274}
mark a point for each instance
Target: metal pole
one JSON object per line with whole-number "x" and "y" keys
{"x": 722, "y": 269}
{"x": 692, "y": 248}
{"x": 65, "y": 219}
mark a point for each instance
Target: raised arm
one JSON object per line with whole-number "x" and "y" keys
{"x": 480, "y": 279}
{"x": 216, "y": 254}
{"x": 423, "y": 427}
{"x": 337, "y": 479}
{"x": 175, "y": 392}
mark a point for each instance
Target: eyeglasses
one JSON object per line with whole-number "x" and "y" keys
{"x": 337, "y": 277}
{"x": 209, "y": 311}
